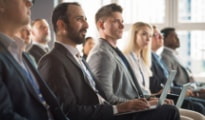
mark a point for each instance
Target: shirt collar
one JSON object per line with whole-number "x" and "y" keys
{"x": 74, "y": 51}
{"x": 43, "y": 46}
{"x": 6, "y": 40}
{"x": 171, "y": 50}
{"x": 12, "y": 43}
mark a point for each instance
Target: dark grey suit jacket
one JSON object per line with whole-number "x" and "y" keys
{"x": 171, "y": 61}
{"x": 37, "y": 52}
{"x": 65, "y": 77}
{"x": 113, "y": 78}
{"x": 18, "y": 100}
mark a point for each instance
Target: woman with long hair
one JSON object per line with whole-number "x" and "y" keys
{"x": 138, "y": 53}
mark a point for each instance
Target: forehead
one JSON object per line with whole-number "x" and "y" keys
{"x": 156, "y": 30}
{"x": 145, "y": 29}
{"x": 41, "y": 23}
{"x": 116, "y": 15}
{"x": 172, "y": 33}
{"x": 74, "y": 10}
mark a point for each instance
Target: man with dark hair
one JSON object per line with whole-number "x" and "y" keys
{"x": 23, "y": 94}
{"x": 170, "y": 57}
{"x": 73, "y": 82}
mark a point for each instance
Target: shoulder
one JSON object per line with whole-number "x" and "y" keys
{"x": 102, "y": 51}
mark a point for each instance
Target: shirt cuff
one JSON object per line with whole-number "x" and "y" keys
{"x": 115, "y": 111}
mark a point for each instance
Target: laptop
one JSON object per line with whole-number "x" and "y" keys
{"x": 162, "y": 97}
{"x": 182, "y": 95}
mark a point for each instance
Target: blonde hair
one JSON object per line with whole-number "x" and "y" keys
{"x": 132, "y": 44}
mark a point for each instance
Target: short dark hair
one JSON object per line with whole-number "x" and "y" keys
{"x": 60, "y": 12}
{"x": 107, "y": 11}
{"x": 166, "y": 31}
{"x": 86, "y": 39}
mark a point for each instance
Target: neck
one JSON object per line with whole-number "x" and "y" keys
{"x": 137, "y": 52}
{"x": 154, "y": 49}
{"x": 65, "y": 41}
{"x": 42, "y": 42}
{"x": 110, "y": 40}
{"x": 8, "y": 30}
{"x": 113, "y": 43}
{"x": 171, "y": 48}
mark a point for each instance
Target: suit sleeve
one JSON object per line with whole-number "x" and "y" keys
{"x": 54, "y": 73}
{"x": 6, "y": 109}
{"x": 103, "y": 67}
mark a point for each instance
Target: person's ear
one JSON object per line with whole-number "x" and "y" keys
{"x": 100, "y": 24}
{"x": 61, "y": 26}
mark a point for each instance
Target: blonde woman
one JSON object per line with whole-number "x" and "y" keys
{"x": 138, "y": 53}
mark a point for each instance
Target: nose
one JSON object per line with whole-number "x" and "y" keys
{"x": 46, "y": 29}
{"x": 29, "y": 3}
{"x": 121, "y": 25}
{"x": 86, "y": 24}
{"x": 160, "y": 36}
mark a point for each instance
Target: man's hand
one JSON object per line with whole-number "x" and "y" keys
{"x": 133, "y": 105}
{"x": 189, "y": 92}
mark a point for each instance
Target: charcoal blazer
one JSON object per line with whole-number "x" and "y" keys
{"x": 18, "y": 100}
{"x": 66, "y": 78}
{"x": 37, "y": 52}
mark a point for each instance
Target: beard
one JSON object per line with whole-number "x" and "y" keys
{"x": 74, "y": 35}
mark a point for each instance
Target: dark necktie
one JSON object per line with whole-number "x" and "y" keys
{"x": 89, "y": 76}
{"x": 130, "y": 70}
{"x": 86, "y": 72}
{"x": 36, "y": 87}
{"x": 161, "y": 64}
{"x": 46, "y": 49}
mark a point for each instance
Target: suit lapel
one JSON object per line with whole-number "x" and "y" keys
{"x": 20, "y": 72}
{"x": 118, "y": 60}
{"x": 48, "y": 95}
{"x": 39, "y": 49}
{"x": 69, "y": 56}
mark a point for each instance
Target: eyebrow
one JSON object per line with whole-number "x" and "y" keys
{"x": 80, "y": 16}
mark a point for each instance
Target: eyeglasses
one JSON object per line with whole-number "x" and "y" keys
{"x": 32, "y": 1}
{"x": 157, "y": 34}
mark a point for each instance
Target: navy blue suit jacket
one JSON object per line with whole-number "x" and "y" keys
{"x": 158, "y": 76}
{"x": 18, "y": 100}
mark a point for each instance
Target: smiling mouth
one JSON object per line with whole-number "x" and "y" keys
{"x": 84, "y": 32}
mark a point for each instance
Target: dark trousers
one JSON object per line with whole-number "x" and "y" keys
{"x": 191, "y": 103}
{"x": 164, "y": 112}
{"x": 196, "y": 104}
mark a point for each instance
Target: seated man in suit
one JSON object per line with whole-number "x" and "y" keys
{"x": 23, "y": 94}
{"x": 40, "y": 39}
{"x": 170, "y": 57}
{"x": 73, "y": 82}
{"x": 173, "y": 60}
{"x": 159, "y": 68}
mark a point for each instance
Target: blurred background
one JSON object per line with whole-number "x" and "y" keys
{"x": 187, "y": 16}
